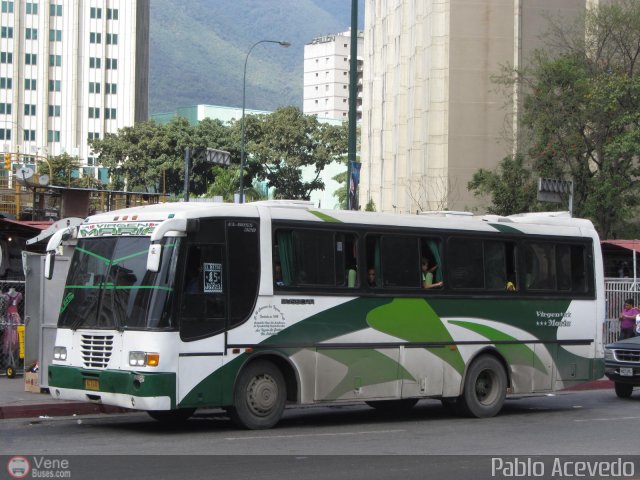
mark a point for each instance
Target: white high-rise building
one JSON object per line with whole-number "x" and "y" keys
{"x": 71, "y": 70}
{"x": 326, "y": 76}
{"x": 431, "y": 114}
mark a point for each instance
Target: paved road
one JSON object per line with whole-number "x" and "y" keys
{"x": 578, "y": 423}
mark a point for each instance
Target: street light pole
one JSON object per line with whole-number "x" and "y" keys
{"x": 244, "y": 91}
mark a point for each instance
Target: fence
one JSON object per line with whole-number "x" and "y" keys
{"x": 617, "y": 290}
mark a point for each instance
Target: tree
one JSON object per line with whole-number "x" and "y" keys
{"x": 582, "y": 113}
{"x": 280, "y": 145}
{"x": 512, "y": 187}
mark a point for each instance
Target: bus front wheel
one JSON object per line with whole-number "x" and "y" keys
{"x": 485, "y": 388}
{"x": 259, "y": 396}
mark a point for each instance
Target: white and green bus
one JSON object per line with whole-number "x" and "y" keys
{"x": 174, "y": 307}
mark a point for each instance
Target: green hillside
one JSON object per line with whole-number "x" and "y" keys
{"x": 198, "y": 49}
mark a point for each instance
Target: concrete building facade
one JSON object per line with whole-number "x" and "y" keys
{"x": 326, "y": 76}
{"x": 431, "y": 114}
{"x": 71, "y": 70}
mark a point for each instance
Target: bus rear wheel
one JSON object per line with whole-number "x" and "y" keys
{"x": 485, "y": 388}
{"x": 259, "y": 396}
{"x": 623, "y": 390}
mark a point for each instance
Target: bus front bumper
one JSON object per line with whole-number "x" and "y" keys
{"x": 136, "y": 390}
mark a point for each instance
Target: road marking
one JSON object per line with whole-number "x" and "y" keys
{"x": 343, "y": 434}
{"x": 610, "y": 419}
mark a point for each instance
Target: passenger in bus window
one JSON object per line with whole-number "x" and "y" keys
{"x": 371, "y": 277}
{"x": 427, "y": 274}
{"x": 277, "y": 275}
{"x": 511, "y": 287}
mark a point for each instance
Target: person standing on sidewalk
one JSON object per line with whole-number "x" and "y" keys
{"x": 628, "y": 319}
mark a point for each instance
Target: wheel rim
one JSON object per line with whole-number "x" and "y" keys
{"x": 10, "y": 372}
{"x": 486, "y": 387}
{"x": 262, "y": 395}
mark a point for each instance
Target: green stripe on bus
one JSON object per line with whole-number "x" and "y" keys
{"x": 325, "y": 217}
{"x": 514, "y": 354}
{"x": 501, "y": 227}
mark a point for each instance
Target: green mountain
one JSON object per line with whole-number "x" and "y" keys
{"x": 198, "y": 49}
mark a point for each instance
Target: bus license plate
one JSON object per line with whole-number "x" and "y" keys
{"x": 92, "y": 384}
{"x": 626, "y": 372}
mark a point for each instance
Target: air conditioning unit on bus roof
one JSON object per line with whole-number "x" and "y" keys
{"x": 284, "y": 203}
{"x": 446, "y": 213}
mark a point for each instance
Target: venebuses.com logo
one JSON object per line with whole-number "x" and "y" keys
{"x": 18, "y": 467}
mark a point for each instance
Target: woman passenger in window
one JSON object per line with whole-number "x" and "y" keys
{"x": 426, "y": 273}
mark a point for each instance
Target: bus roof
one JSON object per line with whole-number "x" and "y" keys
{"x": 557, "y": 223}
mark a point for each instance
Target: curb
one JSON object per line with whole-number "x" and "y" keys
{"x": 593, "y": 385}
{"x": 57, "y": 410}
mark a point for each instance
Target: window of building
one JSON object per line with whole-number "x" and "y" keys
{"x": 55, "y": 60}
{"x": 29, "y": 136}
{"x": 55, "y": 35}
{"x": 91, "y": 161}
{"x": 94, "y": 87}
{"x": 32, "y": 8}
{"x": 112, "y": 39}
{"x": 110, "y": 113}
{"x": 6, "y": 57}
{"x": 7, "y": 7}
{"x": 55, "y": 10}
{"x": 53, "y": 135}
{"x": 111, "y": 88}
{"x": 95, "y": 37}
{"x": 54, "y": 85}
{"x": 5, "y": 108}
{"x": 96, "y": 12}
{"x": 95, "y": 62}
{"x": 6, "y": 32}
{"x": 29, "y": 109}
{"x": 112, "y": 63}
{"x": 30, "y": 59}
{"x": 31, "y": 33}
{"x": 29, "y": 83}
{"x": 54, "y": 110}
{"x": 94, "y": 112}
{"x": 5, "y": 134}
{"x": 112, "y": 14}
{"x": 6, "y": 82}
{"x": 93, "y": 136}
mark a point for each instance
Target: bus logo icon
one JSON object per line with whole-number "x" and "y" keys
{"x": 18, "y": 467}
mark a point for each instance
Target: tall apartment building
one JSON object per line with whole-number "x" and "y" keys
{"x": 326, "y": 76}
{"x": 71, "y": 70}
{"x": 431, "y": 114}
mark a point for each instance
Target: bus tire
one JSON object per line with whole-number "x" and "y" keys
{"x": 393, "y": 406}
{"x": 485, "y": 388}
{"x": 259, "y": 396}
{"x": 623, "y": 390}
{"x": 172, "y": 416}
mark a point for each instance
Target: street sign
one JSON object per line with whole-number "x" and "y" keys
{"x": 219, "y": 157}
{"x": 551, "y": 190}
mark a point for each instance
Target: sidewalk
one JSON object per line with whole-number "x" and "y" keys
{"x": 16, "y": 403}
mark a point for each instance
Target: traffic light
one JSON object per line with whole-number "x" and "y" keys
{"x": 7, "y": 161}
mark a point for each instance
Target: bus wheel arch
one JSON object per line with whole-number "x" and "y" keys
{"x": 485, "y": 385}
{"x": 261, "y": 389}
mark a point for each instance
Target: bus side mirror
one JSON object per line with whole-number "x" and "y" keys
{"x": 154, "y": 257}
{"x": 49, "y": 261}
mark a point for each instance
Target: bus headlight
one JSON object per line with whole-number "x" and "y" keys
{"x": 143, "y": 359}
{"x": 59, "y": 353}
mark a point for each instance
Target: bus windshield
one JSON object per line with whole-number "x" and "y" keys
{"x": 109, "y": 287}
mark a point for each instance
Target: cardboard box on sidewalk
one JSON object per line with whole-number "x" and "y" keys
{"x": 31, "y": 382}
